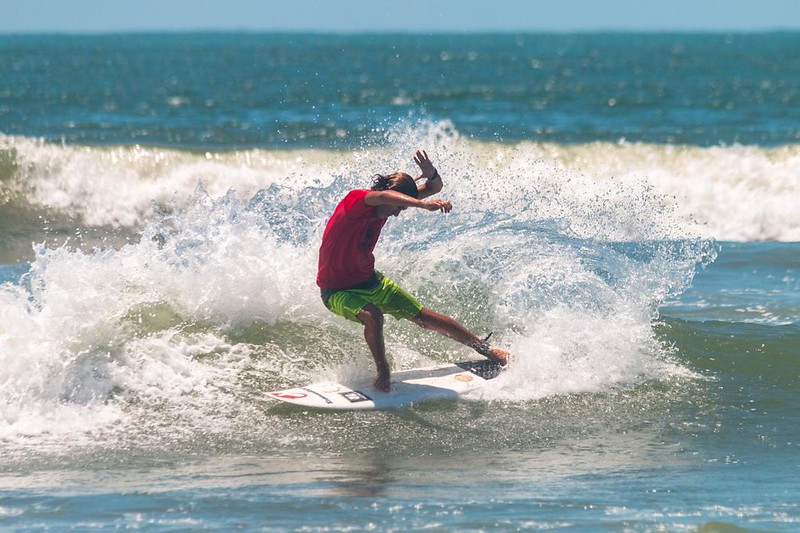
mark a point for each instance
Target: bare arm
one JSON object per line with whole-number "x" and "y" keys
{"x": 398, "y": 199}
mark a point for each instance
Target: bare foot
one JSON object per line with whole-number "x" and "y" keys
{"x": 383, "y": 383}
{"x": 499, "y": 356}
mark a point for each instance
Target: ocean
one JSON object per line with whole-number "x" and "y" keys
{"x": 625, "y": 221}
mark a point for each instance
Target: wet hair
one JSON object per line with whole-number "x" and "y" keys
{"x": 399, "y": 181}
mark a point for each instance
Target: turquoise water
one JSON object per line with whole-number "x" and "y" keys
{"x": 162, "y": 198}
{"x": 223, "y": 90}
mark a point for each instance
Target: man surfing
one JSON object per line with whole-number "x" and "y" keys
{"x": 352, "y": 288}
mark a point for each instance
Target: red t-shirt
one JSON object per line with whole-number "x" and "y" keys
{"x": 345, "y": 255}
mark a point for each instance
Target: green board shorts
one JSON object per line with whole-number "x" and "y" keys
{"x": 381, "y": 291}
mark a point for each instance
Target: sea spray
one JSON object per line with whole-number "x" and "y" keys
{"x": 108, "y": 329}
{"x": 727, "y": 192}
{"x": 215, "y": 301}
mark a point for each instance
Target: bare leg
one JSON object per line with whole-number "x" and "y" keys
{"x": 448, "y": 327}
{"x": 372, "y": 318}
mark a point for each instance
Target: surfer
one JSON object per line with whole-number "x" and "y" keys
{"x": 352, "y": 288}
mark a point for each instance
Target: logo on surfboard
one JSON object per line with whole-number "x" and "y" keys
{"x": 354, "y": 396}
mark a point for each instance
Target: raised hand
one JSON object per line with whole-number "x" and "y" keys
{"x": 425, "y": 165}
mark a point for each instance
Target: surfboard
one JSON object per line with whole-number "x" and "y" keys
{"x": 440, "y": 382}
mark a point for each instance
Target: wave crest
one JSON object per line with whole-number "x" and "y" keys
{"x": 734, "y": 193}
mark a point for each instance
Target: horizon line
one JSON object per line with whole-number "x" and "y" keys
{"x": 354, "y": 32}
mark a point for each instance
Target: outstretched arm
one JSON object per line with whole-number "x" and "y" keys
{"x": 433, "y": 181}
{"x": 398, "y": 199}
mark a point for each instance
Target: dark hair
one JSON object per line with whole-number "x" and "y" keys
{"x": 399, "y": 181}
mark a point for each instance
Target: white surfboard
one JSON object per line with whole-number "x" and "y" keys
{"x": 440, "y": 382}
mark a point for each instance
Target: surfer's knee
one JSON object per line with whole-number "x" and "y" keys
{"x": 371, "y": 316}
{"x": 422, "y": 319}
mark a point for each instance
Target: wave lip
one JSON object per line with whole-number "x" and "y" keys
{"x": 734, "y": 193}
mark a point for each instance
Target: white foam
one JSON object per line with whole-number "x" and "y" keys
{"x": 116, "y": 186}
{"x": 737, "y": 193}
{"x": 732, "y": 193}
{"x": 103, "y": 331}
{"x": 113, "y": 338}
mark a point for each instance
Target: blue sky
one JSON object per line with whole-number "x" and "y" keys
{"x": 78, "y": 16}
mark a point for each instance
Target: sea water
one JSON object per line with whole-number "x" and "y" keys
{"x": 625, "y": 221}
